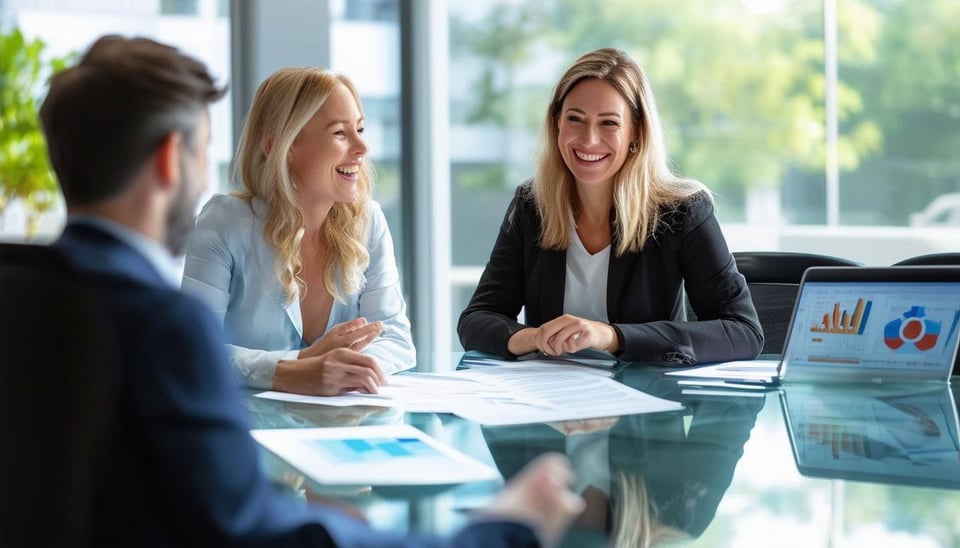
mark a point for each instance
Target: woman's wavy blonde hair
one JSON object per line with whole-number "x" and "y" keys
{"x": 635, "y": 522}
{"x": 282, "y": 106}
{"x": 644, "y": 184}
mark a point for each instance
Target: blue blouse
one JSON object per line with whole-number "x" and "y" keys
{"x": 231, "y": 267}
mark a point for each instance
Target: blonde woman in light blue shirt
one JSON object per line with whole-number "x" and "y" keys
{"x": 299, "y": 264}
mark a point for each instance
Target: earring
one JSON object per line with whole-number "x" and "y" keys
{"x": 633, "y": 147}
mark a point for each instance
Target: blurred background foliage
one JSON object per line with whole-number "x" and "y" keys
{"x": 25, "y": 173}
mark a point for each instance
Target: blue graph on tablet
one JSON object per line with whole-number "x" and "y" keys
{"x": 373, "y": 449}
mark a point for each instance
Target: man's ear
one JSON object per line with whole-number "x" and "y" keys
{"x": 168, "y": 159}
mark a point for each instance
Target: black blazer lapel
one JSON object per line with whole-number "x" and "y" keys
{"x": 552, "y": 284}
{"x": 618, "y": 275}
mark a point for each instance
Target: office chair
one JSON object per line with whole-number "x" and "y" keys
{"x": 931, "y": 259}
{"x": 774, "y": 279}
{"x": 56, "y": 390}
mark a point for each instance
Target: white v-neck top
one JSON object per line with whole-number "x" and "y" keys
{"x": 585, "y": 292}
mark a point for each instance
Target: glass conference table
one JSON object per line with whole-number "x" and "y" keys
{"x": 798, "y": 466}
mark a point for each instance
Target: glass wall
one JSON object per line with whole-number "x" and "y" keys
{"x": 365, "y": 45}
{"x": 821, "y": 125}
{"x": 67, "y": 27}
{"x": 902, "y": 69}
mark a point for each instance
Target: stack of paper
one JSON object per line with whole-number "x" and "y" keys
{"x": 510, "y": 393}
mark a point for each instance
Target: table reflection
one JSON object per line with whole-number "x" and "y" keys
{"x": 647, "y": 479}
{"x": 903, "y": 434}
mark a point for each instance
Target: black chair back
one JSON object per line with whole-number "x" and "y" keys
{"x": 774, "y": 279}
{"x": 56, "y": 397}
{"x": 932, "y": 259}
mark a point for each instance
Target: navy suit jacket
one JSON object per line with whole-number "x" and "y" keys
{"x": 183, "y": 468}
{"x": 645, "y": 290}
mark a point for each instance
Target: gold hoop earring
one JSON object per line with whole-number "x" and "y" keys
{"x": 633, "y": 147}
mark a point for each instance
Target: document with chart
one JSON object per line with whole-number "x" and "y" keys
{"x": 373, "y": 455}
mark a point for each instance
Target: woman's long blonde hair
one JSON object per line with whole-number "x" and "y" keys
{"x": 635, "y": 521}
{"x": 644, "y": 184}
{"x": 283, "y": 105}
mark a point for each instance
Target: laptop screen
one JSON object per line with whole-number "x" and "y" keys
{"x": 867, "y": 324}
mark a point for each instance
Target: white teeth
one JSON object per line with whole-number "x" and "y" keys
{"x": 349, "y": 170}
{"x": 589, "y": 157}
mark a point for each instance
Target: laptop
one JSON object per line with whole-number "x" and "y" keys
{"x": 886, "y": 434}
{"x": 875, "y": 325}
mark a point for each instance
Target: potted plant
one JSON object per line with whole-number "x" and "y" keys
{"x": 25, "y": 173}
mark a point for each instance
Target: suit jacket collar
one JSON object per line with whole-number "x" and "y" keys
{"x": 554, "y": 266}
{"x": 96, "y": 251}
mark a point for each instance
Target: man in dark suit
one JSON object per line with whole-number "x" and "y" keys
{"x": 127, "y": 130}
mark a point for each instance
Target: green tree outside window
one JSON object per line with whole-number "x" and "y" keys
{"x": 25, "y": 173}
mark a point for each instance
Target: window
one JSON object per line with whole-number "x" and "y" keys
{"x": 70, "y": 26}
{"x": 365, "y": 46}
{"x": 900, "y": 65}
{"x": 820, "y": 125}
{"x": 178, "y": 7}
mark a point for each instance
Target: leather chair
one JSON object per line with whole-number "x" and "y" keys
{"x": 56, "y": 393}
{"x": 774, "y": 279}
{"x": 933, "y": 259}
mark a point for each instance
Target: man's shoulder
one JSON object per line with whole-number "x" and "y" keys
{"x": 154, "y": 301}
{"x": 163, "y": 319}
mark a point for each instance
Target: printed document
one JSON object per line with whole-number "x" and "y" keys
{"x": 555, "y": 394}
{"x": 513, "y": 393}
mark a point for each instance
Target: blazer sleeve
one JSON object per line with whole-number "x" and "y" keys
{"x": 490, "y": 319}
{"x": 381, "y": 299}
{"x": 203, "y": 464}
{"x": 207, "y": 274}
{"x": 727, "y": 326}
{"x": 204, "y": 467}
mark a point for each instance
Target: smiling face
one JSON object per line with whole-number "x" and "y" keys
{"x": 595, "y": 129}
{"x": 326, "y": 157}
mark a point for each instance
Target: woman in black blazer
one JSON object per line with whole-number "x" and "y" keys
{"x": 602, "y": 189}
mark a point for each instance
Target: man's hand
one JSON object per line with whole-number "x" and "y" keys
{"x": 339, "y": 371}
{"x": 540, "y": 496}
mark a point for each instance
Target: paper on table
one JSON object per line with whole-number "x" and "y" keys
{"x": 373, "y": 455}
{"x": 565, "y": 395}
{"x": 516, "y": 393}
{"x": 347, "y": 400}
{"x": 412, "y": 392}
{"x": 744, "y": 369}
